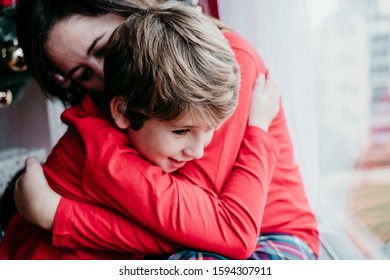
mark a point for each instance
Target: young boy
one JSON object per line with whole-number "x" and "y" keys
{"x": 171, "y": 80}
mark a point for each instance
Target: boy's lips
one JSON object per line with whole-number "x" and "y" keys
{"x": 177, "y": 163}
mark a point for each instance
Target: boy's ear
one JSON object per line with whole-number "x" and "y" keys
{"x": 117, "y": 112}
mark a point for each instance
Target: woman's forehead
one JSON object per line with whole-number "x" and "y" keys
{"x": 70, "y": 40}
{"x": 85, "y": 27}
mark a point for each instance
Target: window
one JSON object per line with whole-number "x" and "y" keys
{"x": 332, "y": 61}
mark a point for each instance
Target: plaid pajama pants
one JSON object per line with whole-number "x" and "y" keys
{"x": 269, "y": 247}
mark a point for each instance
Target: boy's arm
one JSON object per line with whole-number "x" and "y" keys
{"x": 101, "y": 228}
{"x": 80, "y": 225}
{"x": 196, "y": 218}
{"x": 231, "y": 216}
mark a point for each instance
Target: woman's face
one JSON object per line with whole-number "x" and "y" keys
{"x": 76, "y": 47}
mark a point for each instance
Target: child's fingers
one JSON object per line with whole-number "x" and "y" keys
{"x": 260, "y": 82}
{"x": 271, "y": 74}
{"x": 271, "y": 85}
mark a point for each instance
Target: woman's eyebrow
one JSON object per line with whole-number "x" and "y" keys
{"x": 90, "y": 49}
{"x": 92, "y": 46}
{"x": 71, "y": 72}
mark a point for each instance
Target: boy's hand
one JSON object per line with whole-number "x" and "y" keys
{"x": 265, "y": 102}
{"x": 34, "y": 198}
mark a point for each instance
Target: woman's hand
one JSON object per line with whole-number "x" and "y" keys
{"x": 265, "y": 101}
{"x": 34, "y": 198}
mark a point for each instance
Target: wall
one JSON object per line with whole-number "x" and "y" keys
{"x": 25, "y": 122}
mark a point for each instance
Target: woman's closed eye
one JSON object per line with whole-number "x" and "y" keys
{"x": 85, "y": 75}
{"x": 100, "y": 52}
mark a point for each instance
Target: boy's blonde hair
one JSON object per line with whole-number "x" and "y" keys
{"x": 170, "y": 60}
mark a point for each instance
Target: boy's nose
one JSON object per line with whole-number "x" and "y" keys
{"x": 195, "y": 151}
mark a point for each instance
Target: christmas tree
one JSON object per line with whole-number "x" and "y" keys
{"x": 13, "y": 71}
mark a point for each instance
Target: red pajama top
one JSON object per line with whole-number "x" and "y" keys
{"x": 220, "y": 203}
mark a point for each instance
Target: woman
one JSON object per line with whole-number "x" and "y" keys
{"x": 286, "y": 218}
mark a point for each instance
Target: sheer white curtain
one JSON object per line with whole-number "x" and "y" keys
{"x": 290, "y": 35}
{"x": 279, "y": 30}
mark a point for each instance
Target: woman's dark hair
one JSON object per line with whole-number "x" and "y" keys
{"x": 36, "y": 18}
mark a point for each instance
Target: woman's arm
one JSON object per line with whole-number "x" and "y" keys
{"x": 104, "y": 229}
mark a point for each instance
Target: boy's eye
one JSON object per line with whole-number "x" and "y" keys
{"x": 181, "y": 131}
